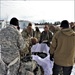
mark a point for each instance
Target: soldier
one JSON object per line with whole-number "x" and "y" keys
{"x": 62, "y": 50}
{"x": 72, "y": 25}
{"x": 28, "y": 33}
{"x": 46, "y": 35}
{"x": 11, "y": 43}
{"x": 28, "y": 66}
{"x": 37, "y": 33}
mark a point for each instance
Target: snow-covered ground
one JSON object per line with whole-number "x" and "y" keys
{"x": 73, "y": 70}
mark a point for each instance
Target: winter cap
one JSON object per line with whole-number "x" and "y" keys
{"x": 29, "y": 24}
{"x": 64, "y": 24}
{"x": 14, "y": 21}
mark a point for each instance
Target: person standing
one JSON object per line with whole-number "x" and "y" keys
{"x": 11, "y": 43}
{"x": 62, "y": 49}
{"x": 37, "y": 33}
{"x": 28, "y": 32}
{"x": 46, "y": 35}
{"x": 72, "y": 25}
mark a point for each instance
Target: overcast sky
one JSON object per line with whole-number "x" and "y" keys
{"x": 38, "y": 10}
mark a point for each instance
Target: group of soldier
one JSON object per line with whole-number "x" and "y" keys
{"x": 15, "y": 48}
{"x": 15, "y": 55}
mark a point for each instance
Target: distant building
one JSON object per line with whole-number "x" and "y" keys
{"x": 23, "y": 24}
{"x": 2, "y": 24}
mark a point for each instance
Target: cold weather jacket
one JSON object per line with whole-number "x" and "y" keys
{"x": 63, "y": 47}
{"x": 46, "y": 36}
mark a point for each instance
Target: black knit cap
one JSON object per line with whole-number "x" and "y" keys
{"x": 64, "y": 24}
{"x": 14, "y": 21}
{"x": 29, "y": 24}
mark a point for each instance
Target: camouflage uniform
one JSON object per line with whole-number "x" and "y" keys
{"x": 37, "y": 35}
{"x": 11, "y": 43}
{"x": 27, "y": 34}
{"x": 30, "y": 68}
{"x": 46, "y": 36}
{"x": 72, "y": 25}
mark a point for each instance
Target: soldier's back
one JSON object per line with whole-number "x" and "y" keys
{"x": 8, "y": 42}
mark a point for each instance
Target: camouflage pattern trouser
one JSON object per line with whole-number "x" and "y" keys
{"x": 12, "y": 70}
{"x": 30, "y": 68}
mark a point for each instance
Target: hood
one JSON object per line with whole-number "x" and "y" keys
{"x": 68, "y": 32}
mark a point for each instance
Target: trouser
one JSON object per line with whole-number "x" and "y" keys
{"x": 61, "y": 70}
{"x": 11, "y": 70}
{"x": 14, "y": 69}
